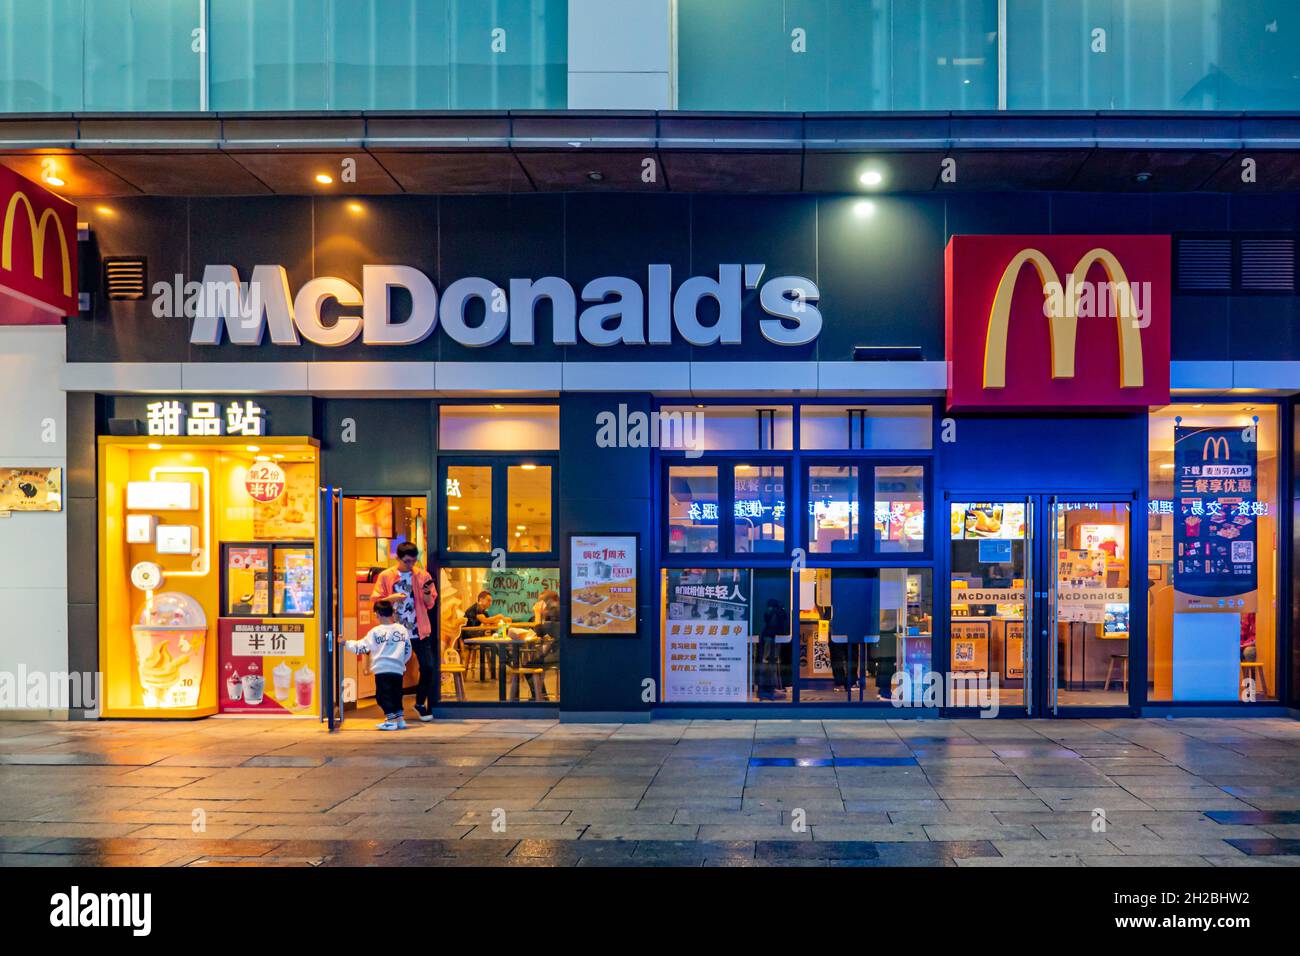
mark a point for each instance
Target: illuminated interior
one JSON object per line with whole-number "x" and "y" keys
{"x": 208, "y": 547}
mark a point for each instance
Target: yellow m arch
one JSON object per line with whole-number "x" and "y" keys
{"x": 1064, "y": 322}
{"x": 38, "y": 239}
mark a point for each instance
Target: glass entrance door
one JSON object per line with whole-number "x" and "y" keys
{"x": 991, "y": 610}
{"x": 1090, "y": 550}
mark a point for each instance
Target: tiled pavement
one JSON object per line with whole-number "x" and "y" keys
{"x": 1187, "y": 792}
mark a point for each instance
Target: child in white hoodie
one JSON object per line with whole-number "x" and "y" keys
{"x": 389, "y": 647}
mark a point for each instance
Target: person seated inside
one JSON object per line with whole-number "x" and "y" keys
{"x": 476, "y": 615}
{"x": 546, "y": 655}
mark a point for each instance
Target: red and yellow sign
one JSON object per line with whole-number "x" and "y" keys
{"x": 264, "y": 481}
{"x": 38, "y": 252}
{"x": 1043, "y": 322}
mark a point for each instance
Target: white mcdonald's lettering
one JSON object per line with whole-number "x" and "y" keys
{"x": 1063, "y": 316}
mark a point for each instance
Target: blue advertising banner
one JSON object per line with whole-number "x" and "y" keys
{"x": 1216, "y": 511}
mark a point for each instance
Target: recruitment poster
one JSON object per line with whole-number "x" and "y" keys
{"x": 706, "y": 634}
{"x": 1216, "y": 511}
{"x": 602, "y": 581}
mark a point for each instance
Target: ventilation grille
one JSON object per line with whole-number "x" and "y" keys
{"x": 124, "y": 278}
{"x": 1205, "y": 265}
{"x": 1268, "y": 265}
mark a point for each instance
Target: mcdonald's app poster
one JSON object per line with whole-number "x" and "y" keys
{"x": 1046, "y": 322}
{"x": 1216, "y": 512}
{"x": 38, "y": 253}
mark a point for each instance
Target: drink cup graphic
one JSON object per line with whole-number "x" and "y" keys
{"x": 169, "y": 639}
{"x": 234, "y": 686}
{"x": 254, "y": 686}
{"x": 282, "y": 677}
{"x": 304, "y": 682}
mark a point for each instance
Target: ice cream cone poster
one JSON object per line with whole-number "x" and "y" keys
{"x": 170, "y": 639}
{"x": 267, "y": 669}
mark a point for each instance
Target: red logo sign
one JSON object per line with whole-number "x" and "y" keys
{"x": 1042, "y": 322}
{"x": 38, "y": 250}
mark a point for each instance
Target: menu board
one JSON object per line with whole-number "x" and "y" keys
{"x": 706, "y": 634}
{"x": 265, "y": 668}
{"x": 1216, "y": 511}
{"x": 602, "y": 584}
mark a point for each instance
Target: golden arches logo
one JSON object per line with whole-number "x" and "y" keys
{"x": 37, "y": 229}
{"x": 1216, "y": 442}
{"x": 1064, "y": 319}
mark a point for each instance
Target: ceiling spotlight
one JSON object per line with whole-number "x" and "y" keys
{"x": 864, "y": 209}
{"x": 356, "y": 208}
{"x": 595, "y": 175}
{"x": 1142, "y": 177}
{"x": 154, "y": 446}
{"x": 871, "y": 178}
{"x": 105, "y": 211}
{"x": 50, "y": 179}
{"x": 324, "y": 179}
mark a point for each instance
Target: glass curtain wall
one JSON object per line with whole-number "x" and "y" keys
{"x": 148, "y": 55}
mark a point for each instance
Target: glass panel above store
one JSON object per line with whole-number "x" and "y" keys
{"x": 833, "y": 509}
{"x": 759, "y": 509}
{"x": 468, "y": 495}
{"x": 499, "y": 427}
{"x": 693, "y": 517}
{"x": 726, "y": 427}
{"x": 528, "y": 507}
{"x": 870, "y": 427}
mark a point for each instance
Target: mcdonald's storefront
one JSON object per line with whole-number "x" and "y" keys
{"x": 866, "y": 471}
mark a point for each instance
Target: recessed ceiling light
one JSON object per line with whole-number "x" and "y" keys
{"x": 453, "y": 507}
{"x": 253, "y": 448}
{"x": 278, "y": 455}
{"x": 154, "y": 446}
{"x": 105, "y": 211}
{"x": 521, "y": 527}
{"x": 1142, "y": 177}
{"x": 324, "y": 178}
{"x": 871, "y": 178}
{"x": 52, "y": 180}
{"x": 262, "y": 458}
{"x": 462, "y": 527}
{"x": 528, "y": 467}
{"x": 595, "y": 175}
{"x": 356, "y": 207}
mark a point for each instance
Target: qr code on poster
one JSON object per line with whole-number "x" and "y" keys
{"x": 1243, "y": 552}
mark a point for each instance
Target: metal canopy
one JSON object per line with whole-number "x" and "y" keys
{"x": 216, "y": 154}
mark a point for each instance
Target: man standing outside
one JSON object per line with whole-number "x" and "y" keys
{"x": 411, "y": 591}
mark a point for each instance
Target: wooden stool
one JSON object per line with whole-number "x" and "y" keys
{"x": 451, "y": 665}
{"x": 1110, "y": 670}
{"x": 534, "y": 675}
{"x": 1255, "y": 669}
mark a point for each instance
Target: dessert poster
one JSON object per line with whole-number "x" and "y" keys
{"x": 1216, "y": 511}
{"x": 266, "y": 668}
{"x": 602, "y": 579}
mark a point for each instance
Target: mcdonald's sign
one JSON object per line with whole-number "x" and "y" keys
{"x": 38, "y": 253}
{"x": 1042, "y": 322}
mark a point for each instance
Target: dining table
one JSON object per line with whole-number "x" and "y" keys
{"x": 507, "y": 649}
